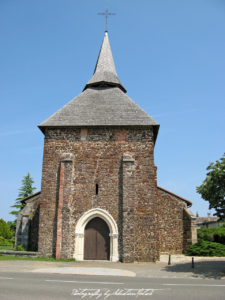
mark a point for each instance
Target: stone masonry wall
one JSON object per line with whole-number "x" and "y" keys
{"x": 189, "y": 228}
{"x": 98, "y": 159}
{"x": 128, "y": 226}
{"x": 63, "y": 237}
{"x": 34, "y": 225}
{"x": 28, "y": 224}
{"x": 170, "y": 218}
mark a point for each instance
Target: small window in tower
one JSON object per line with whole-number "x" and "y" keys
{"x": 96, "y": 189}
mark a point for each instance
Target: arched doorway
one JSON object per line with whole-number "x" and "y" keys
{"x": 80, "y": 230}
{"x": 96, "y": 240}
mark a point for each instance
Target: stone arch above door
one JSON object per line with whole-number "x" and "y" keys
{"x": 79, "y": 233}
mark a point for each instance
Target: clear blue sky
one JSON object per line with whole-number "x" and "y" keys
{"x": 169, "y": 55}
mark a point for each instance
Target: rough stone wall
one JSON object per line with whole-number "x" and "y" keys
{"x": 98, "y": 159}
{"x": 28, "y": 224}
{"x": 170, "y": 218}
{"x": 146, "y": 230}
{"x": 63, "y": 237}
{"x": 34, "y": 225}
{"x": 128, "y": 229}
{"x": 189, "y": 228}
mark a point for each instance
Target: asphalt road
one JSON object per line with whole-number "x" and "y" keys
{"x": 57, "y": 286}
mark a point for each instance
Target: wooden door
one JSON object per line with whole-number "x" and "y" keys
{"x": 96, "y": 240}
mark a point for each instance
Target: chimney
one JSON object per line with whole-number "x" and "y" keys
{"x": 208, "y": 216}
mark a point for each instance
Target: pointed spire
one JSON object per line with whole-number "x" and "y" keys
{"x": 105, "y": 71}
{"x": 105, "y": 59}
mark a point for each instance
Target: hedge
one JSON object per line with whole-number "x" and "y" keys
{"x": 216, "y": 234}
{"x": 205, "y": 248}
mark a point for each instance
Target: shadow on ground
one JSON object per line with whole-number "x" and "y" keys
{"x": 202, "y": 269}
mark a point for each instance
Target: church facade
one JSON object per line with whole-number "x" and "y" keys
{"x": 99, "y": 198}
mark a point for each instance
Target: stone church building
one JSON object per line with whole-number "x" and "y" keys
{"x": 99, "y": 198}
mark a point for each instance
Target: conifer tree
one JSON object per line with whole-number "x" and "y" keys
{"x": 26, "y": 190}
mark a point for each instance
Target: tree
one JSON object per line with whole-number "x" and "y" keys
{"x": 11, "y": 225}
{"x": 5, "y": 230}
{"x": 26, "y": 190}
{"x": 213, "y": 187}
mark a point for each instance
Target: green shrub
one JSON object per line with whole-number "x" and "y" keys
{"x": 5, "y": 230}
{"x": 5, "y": 242}
{"x": 216, "y": 234}
{"x": 205, "y": 248}
{"x": 20, "y": 248}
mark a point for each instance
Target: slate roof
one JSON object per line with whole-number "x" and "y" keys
{"x": 103, "y": 101}
{"x": 100, "y": 106}
{"x": 105, "y": 71}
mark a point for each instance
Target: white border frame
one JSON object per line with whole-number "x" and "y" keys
{"x": 79, "y": 233}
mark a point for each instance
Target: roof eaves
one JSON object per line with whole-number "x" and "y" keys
{"x": 189, "y": 203}
{"x": 104, "y": 83}
{"x": 29, "y": 197}
{"x": 42, "y": 128}
{"x": 155, "y": 131}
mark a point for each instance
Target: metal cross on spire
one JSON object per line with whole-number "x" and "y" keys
{"x": 106, "y": 13}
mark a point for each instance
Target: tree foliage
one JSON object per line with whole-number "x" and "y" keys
{"x": 216, "y": 234}
{"x": 26, "y": 190}
{"x": 213, "y": 187}
{"x": 12, "y": 225}
{"x": 5, "y": 230}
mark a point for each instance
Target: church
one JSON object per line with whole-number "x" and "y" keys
{"x": 99, "y": 198}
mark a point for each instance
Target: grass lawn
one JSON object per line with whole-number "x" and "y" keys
{"x": 4, "y": 257}
{"x": 11, "y": 248}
